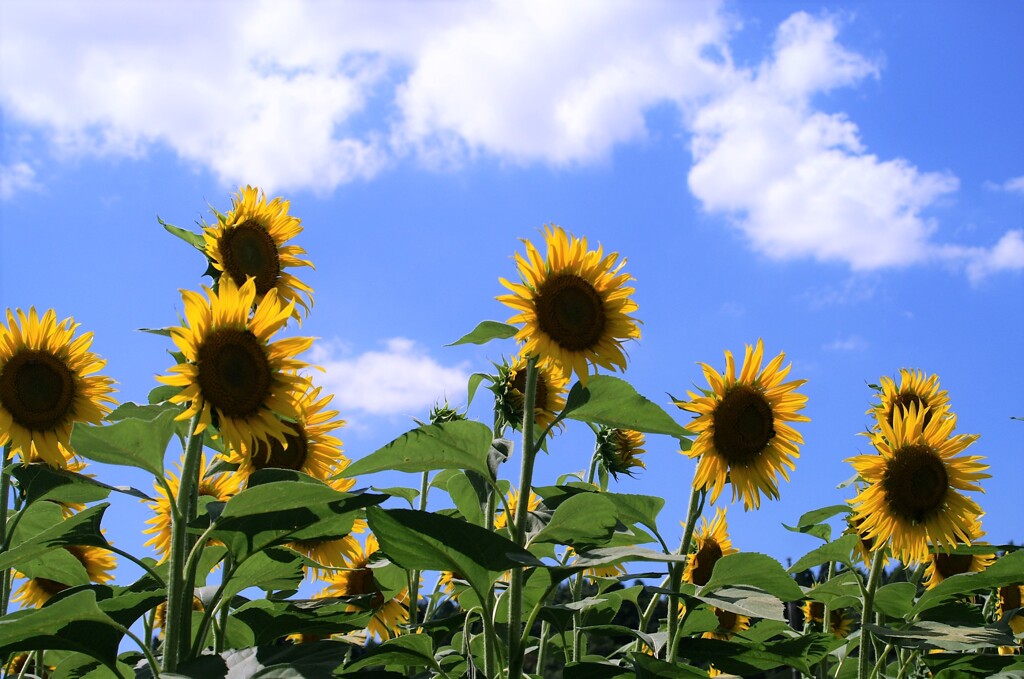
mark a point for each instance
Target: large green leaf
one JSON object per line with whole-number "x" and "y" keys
{"x": 272, "y": 620}
{"x": 74, "y": 623}
{"x": 642, "y": 509}
{"x": 273, "y": 569}
{"x": 133, "y": 442}
{"x": 986, "y": 666}
{"x": 81, "y": 666}
{"x": 81, "y": 529}
{"x": 316, "y": 660}
{"x": 812, "y": 522}
{"x": 42, "y": 482}
{"x": 467, "y": 499}
{"x": 841, "y": 591}
{"x": 928, "y": 634}
{"x": 895, "y": 599}
{"x": 1007, "y": 570}
{"x": 753, "y": 570}
{"x": 647, "y": 667}
{"x": 419, "y": 540}
{"x": 410, "y": 650}
{"x": 582, "y": 520}
{"x": 839, "y": 551}
{"x": 602, "y": 556}
{"x": 746, "y": 601}
{"x": 737, "y": 658}
{"x": 614, "y": 403}
{"x": 486, "y": 331}
{"x": 462, "y": 444}
{"x": 596, "y": 670}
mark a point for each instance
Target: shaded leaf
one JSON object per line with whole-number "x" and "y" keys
{"x": 602, "y": 556}
{"x": 746, "y": 601}
{"x": 753, "y": 570}
{"x": 895, "y": 599}
{"x": 316, "y": 660}
{"x": 74, "y": 623}
{"x": 42, "y": 482}
{"x": 839, "y": 551}
{"x": 1007, "y": 570}
{"x": 583, "y": 519}
{"x": 928, "y": 634}
{"x": 274, "y": 569}
{"x": 272, "y": 620}
{"x": 81, "y": 529}
{"x": 410, "y": 650}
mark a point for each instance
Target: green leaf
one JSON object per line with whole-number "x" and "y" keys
{"x": 928, "y": 634}
{"x": 81, "y": 529}
{"x": 407, "y": 494}
{"x": 642, "y": 509}
{"x": 466, "y": 499}
{"x": 410, "y": 650}
{"x": 74, "y": 623}
{"x": 841, "y": 591}
{"x": 839, "y": 551}
{"x": 895, "y": 599}
{"x": 42, "y": 482}
{"x": 596, "y": 670}
{"x": 273, "y": 569}
{"x": 602, "y": 556}
{"x": 581, "y": 520}
{"x": 753, "y": 570}
{"x": 987, "y": 666}
{"x": 133, "y": 442}
{"x": 462, "y": 444}
{"x": 812, "y": 522}
{"x": 614, "y": 403}
{"x": 647, "y": 667}
{"x": 194, "y": 239}
{"x": 317, "y": 660}
{"x": 474, "y": 383}
{"x": 419, "y": 540}
{"x": 746, "y": 601}
{"x": 485, "y": 332}
{"x": 272, "y": 620}
{"x": 1005, "y": 571}
{"x": 81, "y": 666}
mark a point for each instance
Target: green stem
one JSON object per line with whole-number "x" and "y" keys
{"x": 138, "y": 562}
{"x": 225, "y": 608}
{"x": 826, "y": 622}
{"x": 154, "y": 666}
{"x": 515, "y": 594}
{"x": 652, "y": 606}
{"x": 675, "y": 570}
{"x": 414, "y": 576}
{"x": 577, "y": 619}
{"x": 490, "y": 640}
{"x": 542, "y": 648}
{"x": 869, "y": 599}
{"x": 5, "y": 496}
{"x": 177, "y": 633}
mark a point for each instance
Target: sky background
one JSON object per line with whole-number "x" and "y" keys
{"x": 844, "y": 180}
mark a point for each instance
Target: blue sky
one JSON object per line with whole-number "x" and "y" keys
{"x": 844, "y": 180}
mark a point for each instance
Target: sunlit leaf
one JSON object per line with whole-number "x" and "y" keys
{"x": 194, "y": 239}
{"x": 752, "y": 570}
{"x": 614, "y": 403}
{"x": 81, "y": 529}
{"x": 273, "y": 569}
{"x": 42, "y": 482}
{"x": 462, "y": 444}
{"x": 1007, "y": 570}
{"x": 316, "y": 660}
{"x": 895, "y": 599}
{"x": 839, "y": 551}
{"x": 132, "y": 442}
{"x": 812, "y": 523}
{"x": 583, "y": 519}
{"x": 486, "y": 331}
{"x": 746, "y": 601}
{"x": 928, "y": 634}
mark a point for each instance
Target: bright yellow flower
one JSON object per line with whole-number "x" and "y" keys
{"x": 500, "y": 520}
{"x": 915, "y": 388}
{"x": 743, "y": 435}
{"x": 232, "y": 375}
{"x": 942, "y": 565}
{"x": 710, "y": 543}
{"x": 620, "y": 450}
{"x": 510, "y": 393}
{"x": 250, "y": 241}
{"x": 573, "y": 305}
{"x": 839, "y": 624}
{"x": 913, "y": 494}
{"x": 98, "y": 563}
{"x": 47, "y": 383}
{"x": 729, "y": 623}
{"x": 1011, "y": 597}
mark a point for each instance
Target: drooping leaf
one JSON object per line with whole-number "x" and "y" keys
{"x": 839, "y": 551}
{"x": 647, "y": 667}
{"x": 746, "y": 601}
{"x": 983, "y": 665}
{"x": 596, "y": 670}
{"x": 841, "y": 591}
{"x": 581, "y": 520}
{"x": 426, "y": 541}
{"x": 462, "y": 444}
{"x": 812, "y": 522}
{"x": 273, "y": 620}
{"x": 466, "y": 498}
{"x": 81, "y": 529}
{"x": 928, "y": 634}
{"x": 614, "y": 403}
{"x": 474, "y": 383}
{"x": 602, "y": 556}
{"x": 131, "y": 442}
{"x": 1007, "y": 570}
{"x": 81, "y": 666}
{"x": 316, "y": 660}
{"x": 895, "y": 599}
{"x": 42, "y": 482}
{"x": 486, "y": 331}
{"x": 753, "y": 570}
{"x": 74, "y": 623}
{"x": 409, "y": 650}
{"x": 273, "y": 569}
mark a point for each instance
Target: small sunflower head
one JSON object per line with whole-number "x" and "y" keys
{"x": 945, "y": 563}
{"x": 915, "y": 389}
{"x": 710, "y": 543}
{"x": 509, "y": 387}
{"x": 440, "y": 414}
{"x": 729, "y": 624}
{"x": 619, "y": 450}
{"x": 1011, "y": 601}
{"x": 98, "y": 563}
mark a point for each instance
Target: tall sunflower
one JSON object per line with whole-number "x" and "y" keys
{"x": 729, "y": 624}
{"x": 47, "y": 383}
{"x": 942, "y": 565}
{"x": 839, "y": 624}
{"x": 250, "y": 241}
{"x": 1011, "y": 597}
{"x": 308, "y": 445}
{"x": 620, "y": 450}
{"x": 573, "y": 305}
{"x": 915, "y": 388}
{"x": 501, "y": 520}
{"x": 913, "y": 485}
{"x": 743, "y": 435}
{"x": 232, "y": 375}
{"x": 98, "y": 563}
{"x": 510, "y": 393}
{"x": 220, "y": 487}
{"x": 710, "y": 543}
{"x": 358, "y": 580}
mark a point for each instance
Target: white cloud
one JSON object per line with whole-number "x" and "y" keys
{"x": 400, "y": 379}
{"x": 849, "y": 343}
{"x": 1012, "y": 185}
{"x": 1005, "y": 255}
{"x": 854, "y": 290}
{"x": 15, "y": 178}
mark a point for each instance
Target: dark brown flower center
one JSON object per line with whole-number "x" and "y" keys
{"x": 816, "y": 610}
{"x": 915, "y": 482}
{"x": 249, "y": 250}
{"x": 705, "y": 559}
{"x": 726, "y": 619}
{"x": 37, "y": 389}
{"x": 743, "y": 425}
{"x": 570, "y": 311}
{"x": 519, "y": 384}
{"x": 361, "y": 582}
{"x": 1009, "y": 597}
{"x": 904, "y": 400}
{"x": 50, "y": 587}
{"x": 289, "y": 455}
{"x": 234, "y": 372}
{"x": 948, "y": 565}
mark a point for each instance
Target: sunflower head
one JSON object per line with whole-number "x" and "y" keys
{"x": 620, "y": 449}
{"x": 710, "y": 543}
{"x": 233, "y": 376}
{"x": 742, "y": 426}
{"x": 865, "y": 546}
{"x": 729, "y": 623}
{"x": 1011, "y": 598}
{"x": 574, "y": 305}
{"x": 501, "y": 520}
{"x": 47, "y": 383}
{"x": 99, "y": 565}
{"x": 913, "y": 497}
{"x": 944, "y": 564}
{"x": 440, "y": 414}
{"x": 915, "y": 389}
{"x": 250, "y": 241}
{"x": 509, "y": 389}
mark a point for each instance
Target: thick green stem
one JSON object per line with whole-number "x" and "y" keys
{"x": 178, "y": 633}
{"x": 515, "y": 593}
{"x": 675, "y": 570}
{"x": 542, "y": 647}
{"x": 414, "y": 576}
{"x": 863, "y": 661}
{"x": 5, "y": 496}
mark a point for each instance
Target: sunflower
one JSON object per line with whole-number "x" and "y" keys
{"x": 250, "y": 241}
{"x": 619, "y": 450}
{"x": 308, "y": 447}
{"x": 839, "y": 624}
{"x": 942, "y": 565}
{"x": 452, "y": 584}
{"x": 729, "y": 623}
{"x": 336, "y": 553}
{"x": 915, "y": 388}
{"x": 220, "y": 487}
{"x": 613, "y": 570}
{"x": 510, "y": 393}
{"x": 389, "y": 614}
{"x": 47, "y": 384}
{"x": 160, "y": 613}
{"x": 710, "y": 543}
{"x": 743, "y": 435}
{"x": 1010, "y": 598}
{"x": 865, "y": 546}
{"x": 98, "y": 563}
{"x": 232, "y": 371}
{"x": 573, "y": 305}
{"x": 913, "y": 493}
{"x": 501, "y": 520}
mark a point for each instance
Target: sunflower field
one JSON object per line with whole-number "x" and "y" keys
{"x": 477, "y": 571}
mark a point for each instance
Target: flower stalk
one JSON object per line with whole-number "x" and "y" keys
{"x": 863, "y": 661}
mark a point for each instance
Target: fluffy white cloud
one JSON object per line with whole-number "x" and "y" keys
{"x": 850, "y": 343}
{"x": 399, "y": 379}
{"x": 1005, "y": 255}
{"x": 1012, "y": 185}
{"x": 15, "y": 178}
